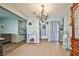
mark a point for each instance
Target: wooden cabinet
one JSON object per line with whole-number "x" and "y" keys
{"x": 1, "y": 49}
{"x": 75, "y": 47}
{"x": 75, "y": 30}
{"x": 7, "y": 37}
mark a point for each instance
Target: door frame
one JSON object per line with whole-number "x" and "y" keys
{"x": 49, "y": 39}
{"x": 46, "y": 29}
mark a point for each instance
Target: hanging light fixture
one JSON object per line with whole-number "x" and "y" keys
{"x": 42, "y": 16}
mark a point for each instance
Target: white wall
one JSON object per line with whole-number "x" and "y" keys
{"x": 67, "y": 21}
{"x": 55, "y": 18}
{"x": 34, "y": 27}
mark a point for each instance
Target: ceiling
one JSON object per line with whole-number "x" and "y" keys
{"x": 6, "y": 13}
{"x": 27, "y": 9}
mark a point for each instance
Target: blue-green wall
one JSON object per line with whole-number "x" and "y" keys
{"x": 10, "y": 25}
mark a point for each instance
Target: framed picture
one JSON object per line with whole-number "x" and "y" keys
{"x": 30, "y": 23}
{"x": 2, "y": 26}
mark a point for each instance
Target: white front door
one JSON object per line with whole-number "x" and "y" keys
{"x": 54, "y": 31}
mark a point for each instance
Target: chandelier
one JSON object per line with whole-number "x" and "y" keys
{"x": 42, "y": 15}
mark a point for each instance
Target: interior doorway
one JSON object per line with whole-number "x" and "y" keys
{"x": 44, "y": 30}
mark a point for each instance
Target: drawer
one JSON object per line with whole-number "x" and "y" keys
{"x": 75, "y": 51}
{"x": 75, "y": 42}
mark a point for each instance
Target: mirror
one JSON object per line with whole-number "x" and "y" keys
{"x": 76, "y": 20}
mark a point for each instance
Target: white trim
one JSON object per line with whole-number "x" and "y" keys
{"x": 49, "y": 32}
